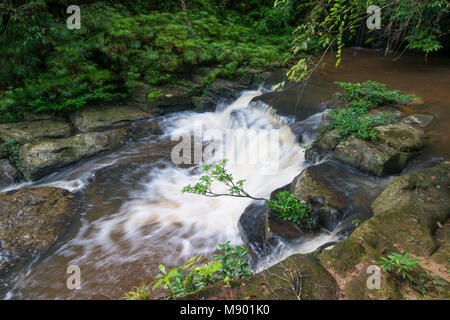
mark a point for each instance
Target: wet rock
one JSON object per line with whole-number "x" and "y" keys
{"x": 327, "y": 202}
{"x": 27, "y": 131}
{"x": 372, "y": 157}
{"x": 407, "y": 212}
{"x": 253, "y": 228}
{"x": 220, "y": 90}
{"x": 160, "y": 100}
{"x": 30, "y": 221}
{"x": 41, "y": 158}
{"x": 281, "y": 101}
{"x": 418, "y": 120}
{"x": 8, "y": 174}
{"x": 102, "y": 117}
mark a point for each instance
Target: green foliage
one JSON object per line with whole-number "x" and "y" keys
{"x": 356, "y": 222}
{"x": 370, "y": 94}
{"x": 193, "y": 276}
{"x": 398, "y": 264}
{"x": 48, "y": 68}
{"x": 354, "y": 121}
{"x": 361, "y": 98}
{"x": 287, "y": 207}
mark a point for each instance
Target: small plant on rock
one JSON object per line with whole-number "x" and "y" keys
{"x": 287, "y": 207}
{"x": 398, "y": 264}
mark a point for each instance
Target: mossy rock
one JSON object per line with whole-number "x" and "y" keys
{"x": 329, "y": 140}
{"x": 43, "y": 157}
{"x": 27, "y": 131}
{"x": 343, "y": 256}
{"x": 357, "y": 289}
{"x": 401, "y": 137}
{"x": 372, "y": 157}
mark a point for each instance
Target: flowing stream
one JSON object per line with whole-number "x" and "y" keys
{"x": 132, "y": 215}
{"x": 130, "y": 212}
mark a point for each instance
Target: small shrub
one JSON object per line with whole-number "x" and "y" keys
{"x": 287, "y": 207}
{"x": 398, "y": 264}
{"x": 193, "y": 276}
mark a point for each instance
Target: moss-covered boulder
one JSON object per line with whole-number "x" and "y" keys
{"x": 41, "y": 158}
{"x": 408, "y": 210}
{"x": 8, "y": 174}
{"x": 27, "y": 131}
{"x": 31, "y": 220}
{"x": 102, "y": 117}
{"x": 372, "y": 157}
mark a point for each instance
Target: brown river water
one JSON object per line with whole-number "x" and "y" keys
{"x": 130, "y": 213}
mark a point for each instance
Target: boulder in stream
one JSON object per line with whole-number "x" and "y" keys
{"x": 41, "y": 158}
{"x": 31, "y": 220}
{"x": 387, "y": 154}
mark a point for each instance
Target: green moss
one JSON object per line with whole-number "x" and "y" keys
{"x": 343, "y": 256}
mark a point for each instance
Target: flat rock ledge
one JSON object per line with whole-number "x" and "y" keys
{"x": 41, "y": 158}
{"x": 411, "y": 215}
{"x": 31, "y": 220}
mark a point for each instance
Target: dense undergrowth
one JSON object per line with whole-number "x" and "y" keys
{"x": 45, "y": 67}
{"x": 48, "y": 68}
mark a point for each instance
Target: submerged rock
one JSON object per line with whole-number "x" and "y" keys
{"x": 27, "y": 131}
{"x": 282, "y": 102}
{"x": 8, "y": 174}
{"x": 418, "y": 120}
{"x": 219, "y": 90}
{"x": 41, "y": 158}
{"x": 101, "y": 117}
{"x": 30, "y": 221}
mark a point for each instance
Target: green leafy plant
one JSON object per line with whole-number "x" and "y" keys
{"x": 287, "y": 207}
{"x": 398, "y": 264}
{"x": 192, "y": 276}
{"x": 361, "y": 98}
{"x": 356, "y": 222}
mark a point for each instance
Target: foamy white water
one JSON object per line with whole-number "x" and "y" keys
{"x": 160, "y": 224}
